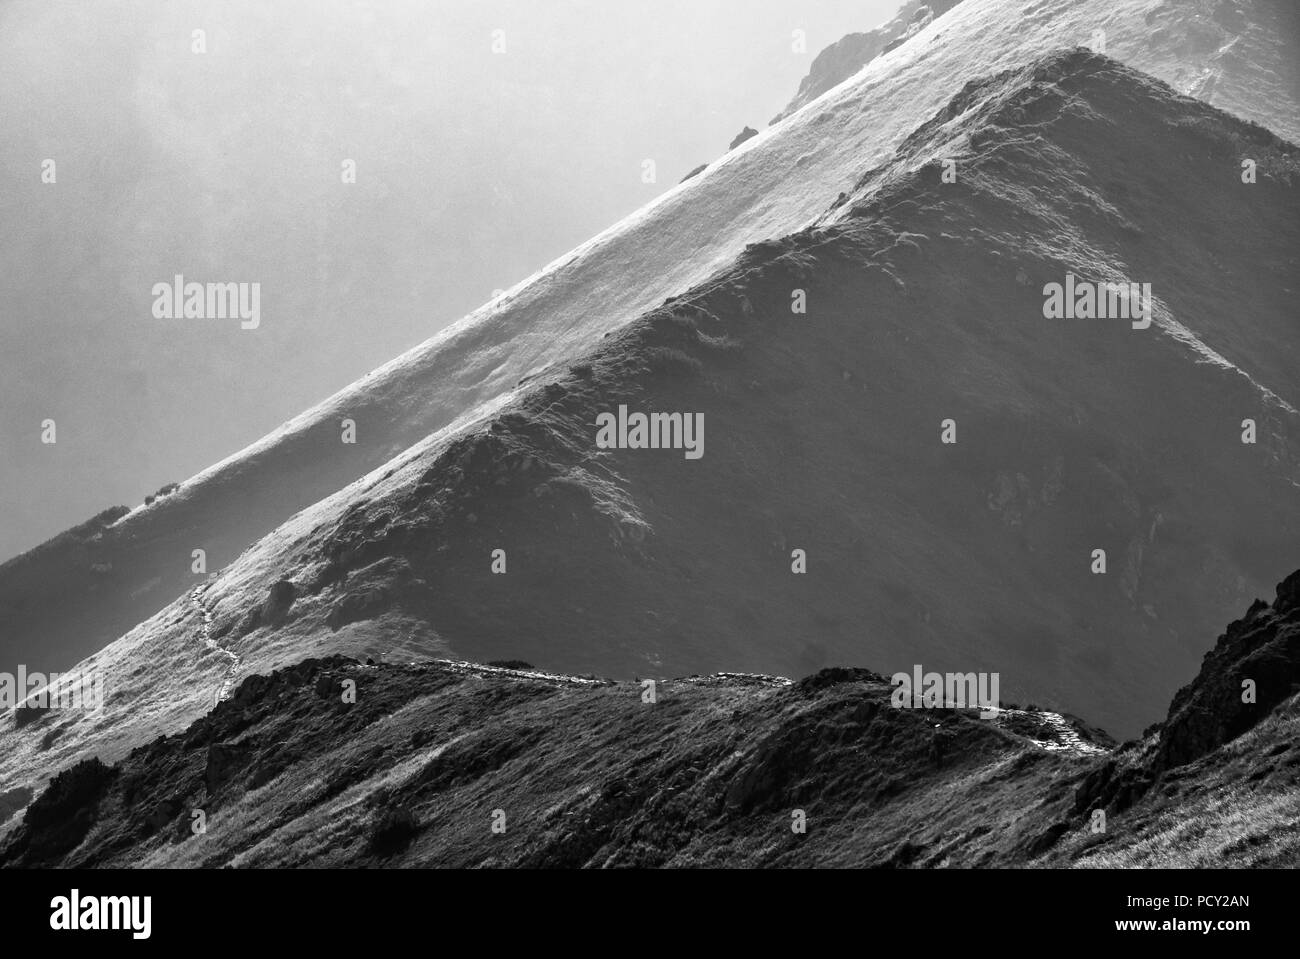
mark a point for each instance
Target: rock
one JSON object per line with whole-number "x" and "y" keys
{"x": 834, "y": 676}
{"x": 70, "y": 792}
{"x": 1288, "y": 594}
{"x": 1262, "y": 647}
{"x": 278, "y": 601}
{"x": 746, "y": 134}
{"x": 393, "y": 830}
{"x": 839, "y": 61}
{"x": 61, "y": 817}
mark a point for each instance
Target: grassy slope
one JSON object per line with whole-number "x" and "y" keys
{"x": 587, "y": 776}
{"x": 60, "y": 607}
{"x": 710, "y": 774}
{"x": 822, "y": 433}
{"x": 334, "y": 763}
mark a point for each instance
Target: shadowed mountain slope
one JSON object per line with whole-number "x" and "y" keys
{"x": 823, "y": 434}
{"x": 63, "y": 603}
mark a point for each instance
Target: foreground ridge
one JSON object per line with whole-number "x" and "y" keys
{"x": 332, "y": 762}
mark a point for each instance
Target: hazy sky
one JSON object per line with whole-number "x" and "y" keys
{"x": 473, "y": 170}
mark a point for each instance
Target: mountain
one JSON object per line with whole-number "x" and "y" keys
{"x": 69, "y": 599}
{"x": 824, "y": 434}
{"x": 925, "y": 303}
{"x": 460, "y": 766}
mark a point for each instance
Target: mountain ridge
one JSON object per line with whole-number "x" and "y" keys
{"x": 373, "y": 571}
{"x": 454, "y": 765}
{"x": 74, "y": 601}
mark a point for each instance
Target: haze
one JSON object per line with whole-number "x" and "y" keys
{"x": 473, "y": 170}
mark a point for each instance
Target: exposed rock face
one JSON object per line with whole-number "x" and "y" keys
{"x": 1261, "y": 649}
{"x": 746, "y": 134}
{"x": 278, "y": 601}
{"x": 833, "y": 66}
{"x": 1211, "y": 711}
{"x": 851, "y": 53}
{"x": 60, "y": 817}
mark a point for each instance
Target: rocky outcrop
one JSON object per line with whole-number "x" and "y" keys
{"x": 60, "y": 817}
{"x": 851, "y": 53}
{"x": 833, "y": 66}
{"x": 278, "y": 600}
{"x": 746, "y": 134}
{"x": 1253, "y": 667}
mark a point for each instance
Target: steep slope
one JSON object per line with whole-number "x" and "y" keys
{"x": 846, "y": 56}
{"x": 1229, "y": 52}
{"x": 1218, "y": 782}
{"x": 454, "y": 765}
{"x": 59, "y": 605}
{"x": 824, "y": 434}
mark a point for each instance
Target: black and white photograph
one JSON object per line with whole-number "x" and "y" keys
{"x": 852, "y": 437}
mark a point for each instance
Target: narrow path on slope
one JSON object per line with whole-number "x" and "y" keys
{"x": 1067, "y": 738}
{"x": 205, "y": 634}
{"x": 480, "y": 669}
{"x": 1063, "y": 736}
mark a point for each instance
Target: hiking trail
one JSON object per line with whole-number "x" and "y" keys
{"x": 205, "y": 633}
